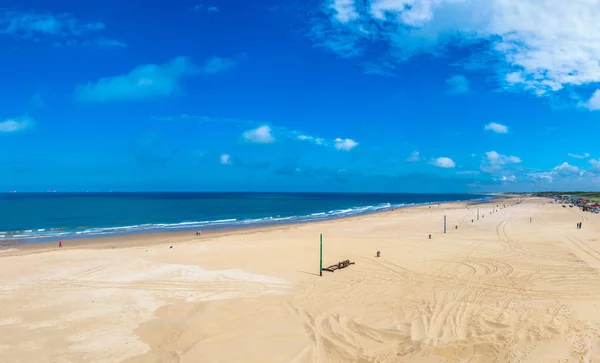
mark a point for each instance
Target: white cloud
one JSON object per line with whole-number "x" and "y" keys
{"x": 544, "y": 176}
{"x": 148, "y": 80}
{"x": 595, "y": 164}
{"x": 15, "y": 124}
{"x": 538, "y": 46}
{"x": 104, "y": 43}
{"x": 508, "y": 178}
{"x": 577, "y": 156}
{"x": 145, "y": 81}
{"x": 566, "y": 169}
{"x": 494, "y": 161}
{"x": 64, "y": 29}
{"x": 345, "y": 144}
{"x": 457, "y": 84}
{"x": 594, "y": 102}
{"x": 259, "y": 135}
{"x": 496, "y": 127}
{"x": 344, "y": 10}
{"x": 499, "y": 159}
{"x": 34, "y": 23}
{"x": 564, "y": 172}
{"x": 218, "y": 64}
{"x": 413, "y": 157}
{"x": 225, "y": 159}
{"x": 316, "y": 140}
{"x": 443, "y": 162}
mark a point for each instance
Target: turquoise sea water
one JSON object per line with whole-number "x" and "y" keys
{"x": 36, "y": 217}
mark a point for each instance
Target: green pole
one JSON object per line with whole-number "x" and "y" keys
{"x": 321, "y": 255}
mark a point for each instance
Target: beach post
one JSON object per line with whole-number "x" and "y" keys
{"x": 477, "y": 213}
{"x": 321, "y": 255}
{"x": 444, "y": 224}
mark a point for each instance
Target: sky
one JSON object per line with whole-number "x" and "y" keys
{"x": 326, "y": 95}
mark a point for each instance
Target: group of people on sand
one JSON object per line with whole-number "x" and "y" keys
{"x": 579, "y": 225}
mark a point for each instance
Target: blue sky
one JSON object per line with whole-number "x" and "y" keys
{"x": 336, "y": 95}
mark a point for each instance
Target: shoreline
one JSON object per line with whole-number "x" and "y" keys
{"x": 212, "y": 225}
{"x": 153, "y": 238}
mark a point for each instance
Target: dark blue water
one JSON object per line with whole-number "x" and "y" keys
{"x": 44, "y": 216}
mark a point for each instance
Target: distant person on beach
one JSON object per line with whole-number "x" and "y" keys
{"x": 59, "y": 243}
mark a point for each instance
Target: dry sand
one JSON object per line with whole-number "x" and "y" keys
{"x": 500, "y": 289}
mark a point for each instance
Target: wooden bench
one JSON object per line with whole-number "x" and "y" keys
{"x": 339, "y": 265}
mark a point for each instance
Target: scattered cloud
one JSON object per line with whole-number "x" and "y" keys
{"x": 218, "y": 64}
{"x": 496, "y": 127}
{"x": 225, "y": 159}
{"x": 595, "y": 165}
{"x": 259, "y": 135}
{"x": 508, "y": 178}
{"x": 315, "y": 140}
{"x": 413, "y": 157}
{"x": 494, "y": 161}
{"x": 262, "y": 133}
{"x": 104, "y": 43}
{"x": 443, "y": 162}
{"x": 566, "y": 169}
{"x": 64, "y": 29}
{"x": 344, "y": 144}
{"x": 499, "y": 159}
{"x": 577, "y": 156}
{"x": 147, "y": 81}
{"x": 457, "y": 84}
{"x": 594, "y": 102}
{"x": 32, "y": 23}
{"x": 213, "y": 9}
{"x": 544, "y": 176}
{"x": 519, "y": 41}
{"x": 564, "y": 172}
{"x": 98, "y": 43}
{"x": 15, "y": 124}
{"x": 344, "y": 10}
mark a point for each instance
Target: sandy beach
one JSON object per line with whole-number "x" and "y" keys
{"x": 519, "y": 285}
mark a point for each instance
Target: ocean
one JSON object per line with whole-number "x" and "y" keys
{"x": 38, "y": 217}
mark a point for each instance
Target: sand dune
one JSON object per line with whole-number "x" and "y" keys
{"x": 501, "y": 289}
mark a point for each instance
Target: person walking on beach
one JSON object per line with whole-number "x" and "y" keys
{"x": 59, "y": 243}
